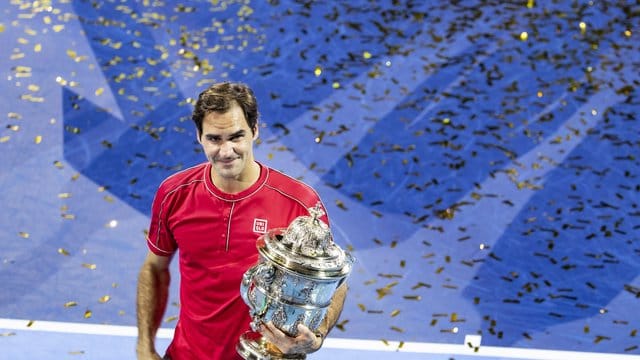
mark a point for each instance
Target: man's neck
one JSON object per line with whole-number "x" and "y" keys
{"x": 239, "y": 184}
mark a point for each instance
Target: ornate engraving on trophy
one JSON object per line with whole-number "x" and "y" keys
{"x": 279, "y": 285}
{"x": 315, "y": 320}
{"x": 279, "y": 316}
{"x": 305, "y": 293}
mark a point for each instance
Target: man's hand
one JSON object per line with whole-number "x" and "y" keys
{"x": 306, "y": 342}
{"x": 148, "y": 355}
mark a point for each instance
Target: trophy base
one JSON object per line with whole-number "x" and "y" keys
{"x": 253, "y": 346}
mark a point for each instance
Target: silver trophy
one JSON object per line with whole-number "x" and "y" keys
{"x": 298, "y": 271}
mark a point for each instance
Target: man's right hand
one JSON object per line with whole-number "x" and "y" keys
{"x": 148, "y": 355}
{"x": 151, "y": 301}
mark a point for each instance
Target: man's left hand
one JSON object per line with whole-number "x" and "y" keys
{"x": 305, "y": 342}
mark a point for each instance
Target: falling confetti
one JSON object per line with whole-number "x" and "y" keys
{"x": 453, "y": 147}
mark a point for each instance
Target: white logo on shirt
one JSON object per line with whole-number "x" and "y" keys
{"x": 260, "y": 226}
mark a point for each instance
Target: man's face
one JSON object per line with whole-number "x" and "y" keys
{"x": 227, "y": 142}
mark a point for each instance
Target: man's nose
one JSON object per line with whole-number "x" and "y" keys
{"x": 226, "y": 149}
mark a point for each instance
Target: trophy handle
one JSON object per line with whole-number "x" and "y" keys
{"x": 248, "y": 287}
{"x": 244, "y": 284}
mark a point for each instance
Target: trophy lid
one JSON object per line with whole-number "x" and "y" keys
{"x": 306, "y": 247}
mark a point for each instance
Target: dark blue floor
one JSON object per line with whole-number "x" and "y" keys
{"x": 479, "y": 158}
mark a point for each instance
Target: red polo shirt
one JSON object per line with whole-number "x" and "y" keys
{"x": 216, "y": 234}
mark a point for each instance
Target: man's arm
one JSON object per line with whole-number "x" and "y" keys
{"x": 151, "y": 302}
{"x": 307, "y": 341}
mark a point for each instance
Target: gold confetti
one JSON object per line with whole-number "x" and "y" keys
{"x": 37, "y": 48}
{"x": 63, "y": 252}
{"x": 30, "y": 323}
{"x": 38, "y": 139}
{"x": 583, "y": 27}
{"x": 421, "y": 284}
{"x": 384, "y": 291}
{"x": 340, "y": 326}
{"x": 7, "y": 333}
{"x": 366, "y": 55}
{"x": 70, "y": 304}
{"x": 4, "y": 139}
{"x": 99, "y": 91}
{"x": 104, "y": 299}
{"x": 31, "y": 98}
{"x": 599, "y": 338}
{"x": 23, "y": 234}
{"x": 340, "y": 204}
{"x": 87, "y": 314}
{"x": 76, "y": 352}
{"x": 64, "y": 195}
{"x": 524, "y": 36}
{"x": 395, "y": 313}
{"x": 89, "y": 266}
{"x": 317, "y": 71}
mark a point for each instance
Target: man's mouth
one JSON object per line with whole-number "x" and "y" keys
{"x": 225, "y": 161}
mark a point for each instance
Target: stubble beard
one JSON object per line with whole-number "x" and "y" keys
{"x": 228, "y": 171}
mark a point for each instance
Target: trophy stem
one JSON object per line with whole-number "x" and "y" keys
{"x": 253, "y": 346}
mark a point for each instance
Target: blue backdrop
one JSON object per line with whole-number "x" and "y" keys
{"x": 479, "y": 158}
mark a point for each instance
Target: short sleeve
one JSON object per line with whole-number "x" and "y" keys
{"x": 159, "y": 240}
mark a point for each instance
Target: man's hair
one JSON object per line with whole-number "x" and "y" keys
{"x": 220, "y": 97}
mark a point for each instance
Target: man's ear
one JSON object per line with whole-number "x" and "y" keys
{"x": 198, "y": 137}
{"x": 255, "y": 131}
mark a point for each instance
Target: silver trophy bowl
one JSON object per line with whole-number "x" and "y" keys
{"x": 298, "y": 272}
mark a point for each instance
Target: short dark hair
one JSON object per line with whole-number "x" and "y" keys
{"x": 220, "y": 97}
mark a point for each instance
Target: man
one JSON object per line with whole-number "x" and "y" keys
{"x": 213, "y": 214}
